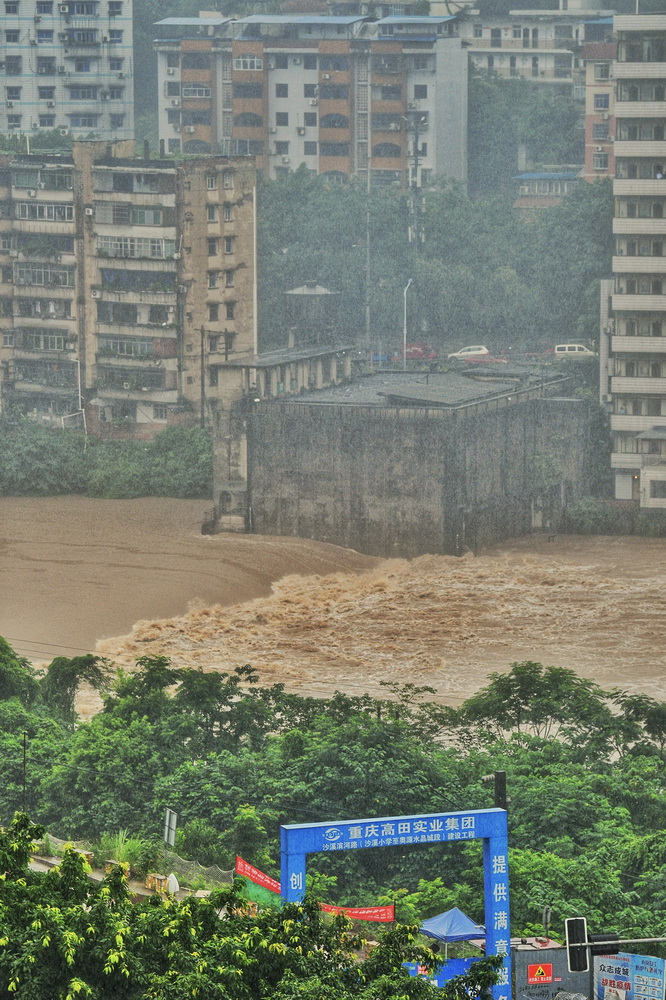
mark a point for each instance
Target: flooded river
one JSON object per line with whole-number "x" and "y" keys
{"x": 76, "y": 573}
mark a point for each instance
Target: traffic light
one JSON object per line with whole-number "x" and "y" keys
{"x": 601, "y": 949}
{"x": 576, "y": 932}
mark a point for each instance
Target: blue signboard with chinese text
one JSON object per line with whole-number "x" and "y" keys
{"x": 489, "y": 825}
{"x": 628, "y": 977}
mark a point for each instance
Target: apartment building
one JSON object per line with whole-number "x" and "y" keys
{"x": 126, "y": 286}
{"x": 68, "y": 65}
{"x": 598, "y": 58}
{"x": 339, "y": 95}
{"x": 633, "y": 361}
{"x": 543, "y": 46}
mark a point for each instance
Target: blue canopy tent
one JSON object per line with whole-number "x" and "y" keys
{"x": 453, "y": 925}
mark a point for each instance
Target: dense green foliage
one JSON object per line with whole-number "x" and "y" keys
{"x": 482, "y": 274}
{"x": 35, "y": 459}
{"x": 586, "y": 770}
{"x": 63, "y": 936}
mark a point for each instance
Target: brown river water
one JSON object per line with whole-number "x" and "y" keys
{"x": 132, "y": 577}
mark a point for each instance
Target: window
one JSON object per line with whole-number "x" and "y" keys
{"x": 601, "y": 102}
{"x": 44, "y": 37}
{"x": 282, "y": 90}
{"x": 310, "y": 119}
{"x": 281, "y": 61}
{"x": 159, "y": 411}
{"x": 227, "y": 179}
{"x": 83, "y": 121}
{"x": 211, "y": 182}
{"x": 334, "y": 63}
{"x": 196, "y": 118}
{"x": 83, "y": 93}
{"x": 115, "y": 8}
{"x": 45, "y": 66}
{"x": 282, "y": 118}
{"x": 81, "y": 66}
{"x": 247, "y": 119}
{"x": 248, "y": 61}
{"x": 228, "y": 244}
{"x": 282, "y": 148}
{"x": 116, "y": 64}
{"x": 309, "y": 90}
{"x": 386, "y": 150}
{"x": 309, "y": 148}
{"x": 517, "y": 31}
{"x": 252, "y": 90}
{"x": 196, "y": 60}
{"x": 115, "y": 35}
{"x": 7, "y": 339}
{"x": 172, "y": 59}
{"x": 42, "y": 210}
{"x": 600, "y": 161}
{"x": 47, "y": 121}
{"x": 13, "y": 65}
{"x": 195, "y": 90}
{"x": 211, "y": 213}
{"x": 44, "y": 93}
{"x": 212, "y": 247}
{"x": 173, "y": 89}
{"x": 334, "y": 121}
{"x": 13, "y": 93}
{"x": 13, "y": 122}
{"x": 478, "y": 31}
{"x": 117, "y": 121}
{"x": 174, "y": 145}
{"x": 309, "y": 62}
{"x": 600, "y": 131}
{"x": 116, "y": 93}
{"x": 602, "y": 71}
{"x": 229, "y": 310}
{"x": 338, "y": 92}
{"x": 334, "y": 148}
{"x": 212, "y": 279}
{"x": 229, "y": 279}
{"x": 228, "y": 212}
{"x": 44, "y": 7}
{"x": 213, "y": 312}
{"x": 173, "y": 117}
{"x": 149, "y": 215}
{"x": 12, "y": 37}
{"x": 11, "y": 7}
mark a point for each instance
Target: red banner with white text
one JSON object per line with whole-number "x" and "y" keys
{"x": 378, "y": 914}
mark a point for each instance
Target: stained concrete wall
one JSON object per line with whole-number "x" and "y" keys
{"x": 402, "y": 481}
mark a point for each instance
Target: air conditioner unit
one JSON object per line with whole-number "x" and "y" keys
{"x": 41, "y": 186}
{"x": 285, "y": 159}
{"x": 10, "y": 104}
{"x": 121, "y": 76}
{"x": 394, "y": 127}
{"x": 90, "y": 211}
{"x": 314, "y": 102}
{"x": 62, "y": 35}
{"x": 605, "y": 116}
{"x": 105, "y": 38}
{"x": 301, "y": 130}
{"x": 95, "y": 293}
{"x": 63, "y": 8}
{"x": 598, "y": 149}
{"x": 37, "y": 18}
{"x": 177, "y": 256}
{"x": 64, "y": 131}
{"x": 33, "y": 41}
{"x": 34, "y": 125}
{"x": 50, "y": 104}
{"x": 175, "y": 103}
{"x": 189, "y": 128}
{"x": 326, "y": 76}
{"x": 272, "y": 129}
{"x": 31, "y": 193}
{"x": 171, "y": 72}
{"x": 271, "y": 64}
{"x": 126, "y": 385}
{"x": 297, "y": 60}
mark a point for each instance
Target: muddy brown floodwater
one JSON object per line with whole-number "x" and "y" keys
{"x": 76, "y": 572}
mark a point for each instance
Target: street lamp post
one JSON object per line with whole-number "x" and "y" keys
{"x": 404, "y": 326}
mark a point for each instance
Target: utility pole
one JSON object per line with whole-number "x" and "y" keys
{"x": 415, "y": 126}
{"x": 25, "y": 737}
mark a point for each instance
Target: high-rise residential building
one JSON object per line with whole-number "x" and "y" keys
{"x": 338, "y": 95}
{"x": 543, "y": 46}
{"x": 67, "y": 64}
{"x": 599, "y": 110}
{"x": 126, "y": 286}
{"x": 633, "y": 354}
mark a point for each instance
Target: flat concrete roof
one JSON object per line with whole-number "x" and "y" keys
{"x": 268, "y": 359}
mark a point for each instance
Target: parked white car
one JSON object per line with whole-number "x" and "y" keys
{"x": 573, "y": 351}
{"x": 469, "y": 352}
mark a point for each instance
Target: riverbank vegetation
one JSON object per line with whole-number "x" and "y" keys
{"x": 585, "y": 771}
{"x": 36, "y": 460}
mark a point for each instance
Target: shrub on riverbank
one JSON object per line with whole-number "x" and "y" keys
{"x": 41, "y": 461}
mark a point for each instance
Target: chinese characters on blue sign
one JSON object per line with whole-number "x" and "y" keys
{"x": 628, "y": 977}
{"x": 399, "y": 831}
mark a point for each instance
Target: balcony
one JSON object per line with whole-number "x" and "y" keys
{"x": 621, "y": 422}
{"x": 639, "y": 227}
{"x": 639, "y": 265}
{"x": 639, "y": 70}
{"x": 642, "y": 386}
{"x": 635, "y": 186}
{"x": 633, "y": 460}
{"x": 637, "y": 148}
{"x": 638, "y": 345}
{"x": 639, "y": 303}
{"x": 640, "y": 109}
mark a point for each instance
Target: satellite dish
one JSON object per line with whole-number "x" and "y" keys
{"x": 172, "y": 884}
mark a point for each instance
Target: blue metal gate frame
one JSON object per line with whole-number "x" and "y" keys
{"x": 490, "y": 825}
